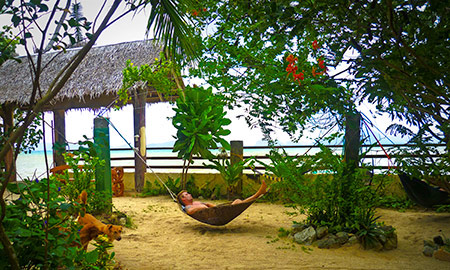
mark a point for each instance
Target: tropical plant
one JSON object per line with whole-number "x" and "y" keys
{"x": 199, "y": 120}
{"x": 231, "y": 173}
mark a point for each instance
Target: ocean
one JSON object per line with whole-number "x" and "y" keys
{"x": 33, "y": 165}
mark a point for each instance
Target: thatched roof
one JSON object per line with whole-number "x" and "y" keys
{"x": 94, "y": 83}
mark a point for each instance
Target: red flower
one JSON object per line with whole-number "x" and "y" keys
{"x": 314, "y": 73}
{"x": 321, "y": 64}
{"x": 204, "y": 9}
{"x": 298, "y": 77}
{"x": 291, "y": 59}
{"x": 291, "y": 69}
{"x": 194, "y": 13}
{"x": 315, "y": 45}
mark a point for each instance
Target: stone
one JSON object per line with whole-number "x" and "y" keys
{"x": 298, "y": 227}
{"x": 307, "y": 236}
{"x": 428, "y": 243}
{"x": 382, "y": 238}
{"x": 428, "y": 251}
{"x": 328, "y": 242}
{"x": 342, "y": 237}
{"x": 321, "y": 232}
{"x": 353, "y": 240}
{"x": 391, "y": 242}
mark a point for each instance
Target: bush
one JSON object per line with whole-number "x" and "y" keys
{"x": 42, "y": 230}
{"x": 334, "y": 195}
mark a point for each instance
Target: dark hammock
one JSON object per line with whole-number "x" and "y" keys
{"x": 421, "y": 193}
{"x": 220, "y": 214}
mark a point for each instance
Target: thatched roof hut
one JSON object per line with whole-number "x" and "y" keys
{"x": 94, "y": 84}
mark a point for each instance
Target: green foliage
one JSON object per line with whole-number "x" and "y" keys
{"x": 157, "y": 75}
{"x": 7, "y": 44}
{"x": 246, "y": 59}
{"x": 231, "y": 173}
{"x": 33, "y": 212}
{"x": 366, "y": 227}
{"x": 398, "y": 62}
{"x": 329, "y": 196}
{"x": 82, "y": 178}
{"x": 26, "y": 224}
{"x": 199, "y": 120}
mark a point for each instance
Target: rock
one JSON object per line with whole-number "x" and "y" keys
{"x": 372, "y": 243}
{"x": 298, "y": 227}
{"x": 428, "y": 251}
{"x": 122, "y": 221}
{"x": 442, "y": 255}
{"x": 353, "y": 240}
{"x": 307, "y": 236}
{"x": 382, "y": 238}
{"x": 428, "y": 243}
{"x": 329, "y": 241}
{"x": 391, "y": 242}
{"x": 321, "y": 232}
{"x": 342, "y": 237}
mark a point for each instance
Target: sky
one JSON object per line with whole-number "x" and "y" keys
{"x": 159, "y": 128}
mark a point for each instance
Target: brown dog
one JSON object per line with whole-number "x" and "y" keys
{"x": 93, "y": 227}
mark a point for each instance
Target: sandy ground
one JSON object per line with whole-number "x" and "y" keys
{"x": 165, "y": 238}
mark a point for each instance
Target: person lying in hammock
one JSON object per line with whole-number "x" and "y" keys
{"x": 191, "y": 206}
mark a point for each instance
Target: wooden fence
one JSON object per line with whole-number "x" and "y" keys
{"x": 162, "y": 159}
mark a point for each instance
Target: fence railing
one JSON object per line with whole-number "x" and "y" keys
{"x": 162, "y": 159}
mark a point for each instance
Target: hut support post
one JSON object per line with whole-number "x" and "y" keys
{"x": 59, "y": 137}
{"x": 140, "y": 156}
{"x": 101, "y": 140}
{"x": 236, "y": 155}
{"x": 8, "y": 121}
{"x": 352, "y": 139}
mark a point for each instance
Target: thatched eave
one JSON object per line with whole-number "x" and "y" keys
{"x": 94, "y": 84}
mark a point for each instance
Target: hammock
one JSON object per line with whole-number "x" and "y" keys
{"x": 216, "y": 216}
{"x": 221, "y": 214}
{"x": 421, "y": 193}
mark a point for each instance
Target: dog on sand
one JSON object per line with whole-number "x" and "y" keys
{"x": 93, "y": 227}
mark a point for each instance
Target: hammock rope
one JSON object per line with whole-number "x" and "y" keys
{"x": 135, "y": 150}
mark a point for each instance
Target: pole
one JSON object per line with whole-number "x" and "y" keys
{"x": 101, "y": 140}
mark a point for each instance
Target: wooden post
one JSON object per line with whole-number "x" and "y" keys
{"x": 8, "y": 122}
{"x": 101, "y": 140}
{"x": 140, "y": 156}
{"x": 59, "y": 137}
{"x": 236, "y": 155}
{"x": 352, "y": 139}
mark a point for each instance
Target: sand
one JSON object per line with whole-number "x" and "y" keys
{"x": 165, "y": 238}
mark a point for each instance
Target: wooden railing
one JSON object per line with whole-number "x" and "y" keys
{"x": 162, "y": 159}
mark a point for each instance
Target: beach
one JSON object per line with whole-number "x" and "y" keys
{"x": 166, "y": 238}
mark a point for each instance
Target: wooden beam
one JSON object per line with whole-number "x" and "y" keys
{"x": 237, "y": 155}
{"x": 8, "y": 122}
{"x": 140, "y": 156}
{"x": 59, "y": 137}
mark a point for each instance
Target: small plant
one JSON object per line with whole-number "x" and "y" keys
{"x": 231, "y": 173}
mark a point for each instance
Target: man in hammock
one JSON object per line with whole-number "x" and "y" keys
{"x": 191, "y": 206}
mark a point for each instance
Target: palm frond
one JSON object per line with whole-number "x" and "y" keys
{"x": 170, "y": 26}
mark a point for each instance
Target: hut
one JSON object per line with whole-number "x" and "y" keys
{"x": 93, "y": 85}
